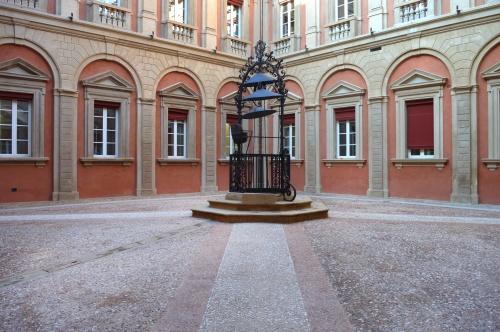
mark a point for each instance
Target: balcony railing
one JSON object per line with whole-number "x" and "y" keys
{"x": 340, "y": 30}
{"x": 35, "y": 4}
{"x": 180, "y": 32}
{"x": 108, "y": 14}
{"x": 286, "y": 45}
{"x": 411, "y": 10}
{"x": 236, "y": 46}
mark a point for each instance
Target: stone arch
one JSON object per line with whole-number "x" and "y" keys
{"x": 334, "y": 70}
{"x": 189, "y": 73}
{"x": 43, "y": 53}
{"x": 405, "y": 56}
{"x": 104, "y": 56}
{"x": 479, "y": 58}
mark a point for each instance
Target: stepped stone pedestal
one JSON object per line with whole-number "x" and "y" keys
{"x": 250, "y": 207}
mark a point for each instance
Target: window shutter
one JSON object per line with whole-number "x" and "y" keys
{"x": 345, "y": 114}
{"x": 420, "y": 124}
{"x": 231, "y": 119}
{"x": 180, "y": 115}
{"x": 106, "y": 104}
{"x": 289, "y": 119}
{"x": 13, "y": 95}
{"x": 237, "y": 3}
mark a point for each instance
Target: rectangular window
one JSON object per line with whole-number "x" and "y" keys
{"x": 177, "y": 137}
{"x": 15, "y": 127}
{"x": 420, "y": 128}
{"x": 346, "y": 132}
{"x": 345, "y": 9}
{"x": 105, "y": 131}
{"x": 230, "y": 148}
{"x": 289, "y": 133}
{"x": 233, "y": 19}
{"x": 287, "y": 19}
{"x": 178, "y": 11}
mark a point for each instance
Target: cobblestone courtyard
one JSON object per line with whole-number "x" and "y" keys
{"x": 143, "y": 264}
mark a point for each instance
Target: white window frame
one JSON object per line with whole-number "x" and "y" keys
{"x": 18, "y": 76}
{"x": 231, "y": 13}
{"x": 287, "y": 8}
{"x": 175, "y": 143}
{"x": 290, "y": 140}
{"x": 229, "y": 142}
{"x": 176, "y": 6}
{"x": 107, "y": 87}
{"x": 343, "y": 95}
{"x": 492, "y": 76}
{"x": 346, "y": 9}
{"x": 179, "y": 97}
{"x": 348, "y": 140}
{"x": 418, "y": 85}
{"x": 105, "y": 132}
{"x": 14, "y": 126}
{"x": 111, "y": 2}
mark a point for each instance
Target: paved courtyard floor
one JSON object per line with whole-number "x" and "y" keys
{"x": 144, "y": 264}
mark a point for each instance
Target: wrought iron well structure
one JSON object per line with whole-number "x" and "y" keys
{"x": 261, "y": 81}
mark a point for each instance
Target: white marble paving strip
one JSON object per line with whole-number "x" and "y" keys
{"x": 413, "y": 218}
{"x": 256, "y": 287}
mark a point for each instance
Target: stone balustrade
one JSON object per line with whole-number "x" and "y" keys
{"x": 236, "y": 46}
{"x": 109, "y": 14}
{"x": 340, "y": 30}
{"x": 35, "y": 4}
{"x": 180, "y": 32}
{"x": 411, "y": 10}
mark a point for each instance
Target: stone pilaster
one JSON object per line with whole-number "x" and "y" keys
{"x": 313, "y": 24}
{"x": 66, "y": 7}
{"x": 65, "y": 145}
{"x": 208, "y": 149}
{"x": 209, "y": 24}
{"x": 464, "y": 151}
{"x": 377, "y": 146}
{"x": 377, "y": 16}
{"x": 146, "y": 182}
{"x": 146, "y": 16}
{"x": 312, "y": 149}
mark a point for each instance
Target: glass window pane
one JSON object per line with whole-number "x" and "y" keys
{"x": 22, "y": 132}
{"x": 352, "y": 138}
{"x": 22, "y": 147}
{"x": 98, "y": 123}
{"x": 5, "y": 132}
{"x": 6, "y": 147}
{"x": 23, "y": 105}
{"x": 111, "y": 113}
{"x": 342, "y": 139}
{"x": 342, "y": 151}
{"x": 352, "y": 151}
{"x": 97, "y": 136}
{"x": 350, "y": 8}
{"x": 6, "y": 117}
{"x": 170, "y": 150}
{"x": 98, "y": 149}
{"x": 111, "y": 136}
{"x": 180, "y": 151}
{"x": 22, "y": 118}
{"x": 111, "y": 123}
{"x": 98, "y": 111}
{"x": 6, "y": 104}
{"x": 342, "y": 127}
{"x": 111, "y": 149}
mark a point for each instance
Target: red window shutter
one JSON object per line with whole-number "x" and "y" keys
{"x": 289, "y": 119}
{"x": 345, "y": 114}
{"x": 13, "y": 95}
{"x": 231, "y": 119}
{"x": 420, "y": 124}
{"x": 106, "y": 104}
{"x": 180, "y": 115}
{"x": 237, "y": 3}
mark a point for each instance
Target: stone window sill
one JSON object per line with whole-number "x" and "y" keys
{"x": 178, "y": 162}
{"x": 89, "y": 162}
{"x": 492, "y": 164}
{"x": 35, "y": 161}
{"x": 344, "y": 162}
{"x": 438, "y": 163}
